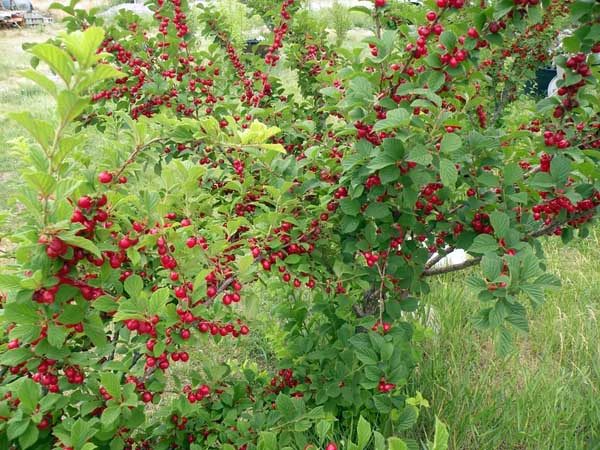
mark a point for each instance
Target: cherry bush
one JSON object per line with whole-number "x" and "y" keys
{"x": 182, "y": 177}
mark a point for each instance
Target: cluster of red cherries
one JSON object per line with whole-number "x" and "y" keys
{"x": 279, "y": 31}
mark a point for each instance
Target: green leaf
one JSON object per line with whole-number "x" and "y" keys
{"x": 350, "y": 207}
{"x": 40, "y": 130}
{"x": 440, "y": 440}
{"x": 267, "y": 441}
{"x": 362, "y": 86}
{"x": 94, "y": 329}
{"x": 29, "y": 393}
{"x": 349, "y": 224}
{"x": 408, "y": 417}
{"x": 25, "y": 332}
{"x": 419, "y": 155}
{"x": 258, "y": 133}
{"x": 450, "y": 143}
{"x": 56, "y": 335}
{"x": 9, "y": 282}
{"x": 381, "y": 161}
{"x": 80, "y": 242}
{"x": 363, "y": 432}
{"x": 81, "y": 432}
{"x": 110, "y": 415}
{"x": 394, "y": 119}
{"x": 21, "y": 313}
{"x": 101, "y": 72}
{"x": 158, "y": 301}
{"x": 83, "y": 45}
{"x": 512, "y": 174}
{"x": 448, "y": 173}
{"x": 448, "y": 38}
{"x": 500, "y": 222}
{"x": 58, "y": 60}
{"x": 15, "y": 356}
{"x": 41, "y": 80}
{"x": 395, "y": 443}
{"x": 29, "y": 437}
{"x": 484, "y": 243}
{"x": 377, "y": 210}
{"x": 518, "y": 317}
{"x": 42, "y": 182}
{"x": 491, "y": 266}
{"x": 323, "y": 428}
{"x": 362, "y": 9}
{"x": 560, "y": 168}
{"x": 17, "y": 427}
{"x": 70, "y": 106}
{"x": 133, "y": 285}
{"x": 111, "y": 382}
{"x": 285, "y": 406}
{"x": 504, "y": 342}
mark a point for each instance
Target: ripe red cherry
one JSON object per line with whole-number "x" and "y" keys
{"x": 105, "y": 177}
{"x": 84, "y": 202}
{"x": 472, "y": 33}
{"x": 380, "y": 3}
{"x": 44, "y": 423}
{"x": 147, "y": 397}
{"x": 331, "y": 446}
{"x": 431, "y": 16}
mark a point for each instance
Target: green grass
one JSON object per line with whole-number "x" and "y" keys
{"x": 16, "y": 94}
{"x": 547, "y": 394}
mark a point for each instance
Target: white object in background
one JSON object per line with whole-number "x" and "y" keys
{"x": 552, "y": 86}
{"x": 455, "y": 257}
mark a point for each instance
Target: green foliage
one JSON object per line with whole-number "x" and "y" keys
{"x": 211, "y": 178}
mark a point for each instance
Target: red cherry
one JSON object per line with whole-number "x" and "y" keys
{"x": 331, "y": 446}
{"x": 380, "y": 3}
{"x": 105, "y": 177}
{"x": 84, "y": 202}
{"x": 44, "y": 423}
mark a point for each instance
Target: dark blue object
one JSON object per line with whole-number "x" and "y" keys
{"x": 542, "y": 80}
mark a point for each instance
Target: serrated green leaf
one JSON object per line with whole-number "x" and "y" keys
{"x": 21, "y": 313}
{"x": 395, "y": 443}
{"x": 41, "y": 80}
{"x": 450, "y": 143}
{"x": 58, "y": 60}
{"x": 29, "y": 393}
{"x": 440, "y": 439}
{"x": 484, "y": 243}
{"x": 500, "y": 222}
{"x": 448, "y": 173}
{"x": 80, "y": 242}
{"x": 491, "y": 266}
{"x": 408, "y": 417}
{"x": 41, "y": 130}
{"x": 350, "y": 207}
{"x": 133, "y": 285}
{"x": 56, "y": 335}
{"x": 110, "y": 415}
{"x": 29, "y": 437}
